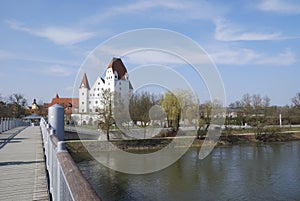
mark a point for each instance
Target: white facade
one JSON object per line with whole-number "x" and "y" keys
{"x": 116, "y": 80}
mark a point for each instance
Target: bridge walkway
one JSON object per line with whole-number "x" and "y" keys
{"x": 22, "y": 165}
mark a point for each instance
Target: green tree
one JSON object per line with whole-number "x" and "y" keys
{"x": 105, "y": 113}
{"x": 172, "y": 108}
{"x": 189, "y": 105}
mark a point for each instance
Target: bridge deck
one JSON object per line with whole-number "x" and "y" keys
{"x": 22, "y": 165}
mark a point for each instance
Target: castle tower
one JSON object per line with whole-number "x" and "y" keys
{"x": 116, "y": 80}
{"x": 84, "y": 95}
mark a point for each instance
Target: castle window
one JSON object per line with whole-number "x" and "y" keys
{"x": 98, "y": 83}
{"x": 89, "y": 102}
{"x": 82, "y": 110}
{"x": 119, "y": 83}
{"x": 83, "y": 94}
{"x": 120, "y": 88}
{"x": 96, "y": 102}
{"x": 91, "y": 110}
{"x": 82, "y": 103}
{"x": 98, "y": 89}
{"x": 97, "y": 94}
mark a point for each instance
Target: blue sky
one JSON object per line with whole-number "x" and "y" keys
{"x": 254, "y": 44}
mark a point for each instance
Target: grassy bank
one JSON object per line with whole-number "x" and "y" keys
{"x": 77, "y": 146}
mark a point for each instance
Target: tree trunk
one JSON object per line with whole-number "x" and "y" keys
{"x": 107, "y": 134}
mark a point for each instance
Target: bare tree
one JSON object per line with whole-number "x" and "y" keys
{"x": 105, "y": 113}
{"x": 205, "y": 119}
{"x": 247, "y": 107}
{"x": 140, "y": 104}
{"x": 295, "y": 109}
{"x": 296, "y": 100}
{"x": 17, "y": 103}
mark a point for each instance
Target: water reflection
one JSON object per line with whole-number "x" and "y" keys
{"x": 242, "y": 172}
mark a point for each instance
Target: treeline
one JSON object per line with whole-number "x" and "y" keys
{"x": 13, "y": 106}
{"x": 254, "y": 109}
{"x": 184, "y": 107}
{"x": 169, "y": 108}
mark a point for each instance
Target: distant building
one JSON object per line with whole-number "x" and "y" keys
{"x": 70, "y": 104}
{"x": 33, "y": 109}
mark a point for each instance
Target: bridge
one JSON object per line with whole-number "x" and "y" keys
{"x": 35, "y": 165}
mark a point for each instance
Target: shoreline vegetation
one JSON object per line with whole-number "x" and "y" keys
{"x": 154, "y": 144}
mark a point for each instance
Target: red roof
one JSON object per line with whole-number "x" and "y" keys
{"x": 84, "y": 82}
{"x": 117, "y": 65}
{"x": 67, "y": 103}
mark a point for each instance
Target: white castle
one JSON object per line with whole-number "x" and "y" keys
{"x": 116, "y": 80}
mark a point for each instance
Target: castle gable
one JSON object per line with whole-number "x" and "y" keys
{"x": 117, "y": 66}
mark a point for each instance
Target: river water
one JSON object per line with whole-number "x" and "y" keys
{"x": 240, "y": 172}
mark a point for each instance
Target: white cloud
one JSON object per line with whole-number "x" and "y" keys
{"x": 144, "y": 57}
{"x": 280, "y": 6}
{"x": 58, "y": 35}
{"x": 235, "y": 56}
{"x": 58, "y": 70}
{"x": 173, "y": 10}
{"x": 243, "y": 56}
{"x": 4, "y": 55}
{"x": 284, "y": 58}
{"x": 7, "y": 55}
{"x": 226, "y": 31}
{"x": 68, "y": 89}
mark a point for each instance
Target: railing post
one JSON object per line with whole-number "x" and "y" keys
{"x": 61, "y": 147}
{"x": 51, "y": 160}
{"x": 6, "y": 124}
{"x": 1, "y": 125}
{"x": 9, "y": 123}
{"x": 56, "y": 120}
{"x": 13, "y": 122}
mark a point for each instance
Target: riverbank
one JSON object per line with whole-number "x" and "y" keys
{"x": 274, "y": 137}
{"x": 154, "y": 144}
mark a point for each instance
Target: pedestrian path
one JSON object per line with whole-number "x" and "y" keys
{"x": 22, "y": 165}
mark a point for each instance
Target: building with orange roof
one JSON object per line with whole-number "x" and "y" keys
{"x": 70, "y": 104}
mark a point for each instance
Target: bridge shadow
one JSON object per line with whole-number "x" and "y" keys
{"x": 11, "y": 138}
{"x": 19, "y": 163}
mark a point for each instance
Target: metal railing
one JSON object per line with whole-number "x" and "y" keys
{"x": 10, "y": 123}
{"x": 66, "y": 182}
